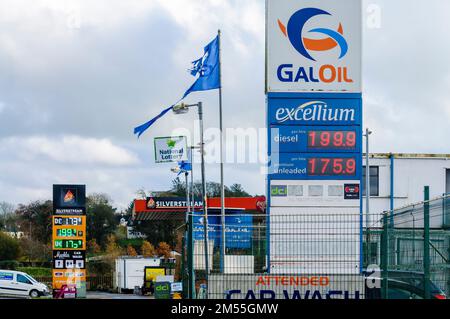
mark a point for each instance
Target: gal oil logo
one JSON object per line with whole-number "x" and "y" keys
{"x": 294, "y": 32}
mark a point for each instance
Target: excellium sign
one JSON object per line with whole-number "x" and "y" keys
{"x": 314, "y": 46}
{"x": 303, "y": 111}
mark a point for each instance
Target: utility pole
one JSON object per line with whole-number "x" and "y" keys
{"x": 191, "y": 232}
{"x": 205, "y": 195}
{"x": 368, "y": 132}
{"x": 181, "y": 109}
{"x": 186, "y": 243}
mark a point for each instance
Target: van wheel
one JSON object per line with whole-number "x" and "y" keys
{"x": 34, "y": 294}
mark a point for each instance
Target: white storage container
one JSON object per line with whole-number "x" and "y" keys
{"x": 130, "y": 271}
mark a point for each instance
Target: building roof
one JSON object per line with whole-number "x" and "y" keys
{"x": 409, "y": 155}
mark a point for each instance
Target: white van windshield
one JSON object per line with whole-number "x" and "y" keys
{"x": 31, "y": 278}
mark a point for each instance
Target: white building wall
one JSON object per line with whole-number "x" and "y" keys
{"x": 411, "y": 174}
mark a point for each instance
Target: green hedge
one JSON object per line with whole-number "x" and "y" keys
{"x": 36, "y": 271}
{"x": 9, "y": 264}
{"x": 136, "y": 243}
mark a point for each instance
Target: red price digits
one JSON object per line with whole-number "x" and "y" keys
{"x": 311, "y": 138}
{"x": 325, "y": 162}
{"x": 325, "y": 139}
{"x": 332, "y": 139}
{"x": 351, "y": 139}
{"x": 338, "y": 139}
{"x": 351, "y": 166}
{"x": 337, "y": 166}
{"x": 331, "y": 166}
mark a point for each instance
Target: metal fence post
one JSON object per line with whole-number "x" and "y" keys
{"x": 190, "y": 256}
{"x": 384, "y": 257}
{"x": 426, "y": 242}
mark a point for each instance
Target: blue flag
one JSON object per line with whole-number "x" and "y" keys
{"x": 184, "y": 167}
{"x": 141, "y": 129}
{"x": 208, "y": 69}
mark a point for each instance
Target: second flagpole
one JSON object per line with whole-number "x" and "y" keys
{"x": 222, "y": 187}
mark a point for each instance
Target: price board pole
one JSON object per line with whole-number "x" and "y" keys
{"x": 69, "y": 241}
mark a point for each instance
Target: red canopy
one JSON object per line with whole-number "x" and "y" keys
{"x": 247, "y": 204}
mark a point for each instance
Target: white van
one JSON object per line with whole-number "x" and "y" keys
{"x": 16, "y": 283}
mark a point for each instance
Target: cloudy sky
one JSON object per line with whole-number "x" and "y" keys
{"x": 77, "y": 76}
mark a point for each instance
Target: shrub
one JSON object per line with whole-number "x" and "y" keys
{"x": 9, "y": 264}
{"x": 36, "y": 271}
{"x": 9, "y": 247}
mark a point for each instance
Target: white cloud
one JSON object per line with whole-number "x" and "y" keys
{"x": 99, "y": 68}
{"x": 69, "y": 149}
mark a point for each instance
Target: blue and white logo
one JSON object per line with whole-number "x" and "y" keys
{"x": 314, "y": 112}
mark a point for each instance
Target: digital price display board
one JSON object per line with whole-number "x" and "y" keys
{"x": 320, "y": 166}
{"x": 315, "y": 166}
{"x": 69, "y": 227}
{"x": 69, "y": 238}
{"x": 69, "y": 244}
{"x": 68, "y": 232}
{"x": 336, "y": 140}
{"x": 69, "y": 221}
{"x": 320, "y": 139}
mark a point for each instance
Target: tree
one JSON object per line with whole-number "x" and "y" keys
{"x": 113, "y": 250}
{"x": 236, "y": 190}
{"x": 131, "y": 251}
{"x": 147, "y": 249}
{"x": 121, "y": 232}
{"x": 9, "y": 247}
{"x": 212, "y": 189}
{"x": 159, "y": 230}
{"x": 101, "y": 221}
{"x": 141, "y": 193}
{"x": 34, "y": 250}
{"x": 93, "y": 247}
{"x": 7, "y": 216}
{"x": 164, "y": 250}
{"x": 34, "y": 219}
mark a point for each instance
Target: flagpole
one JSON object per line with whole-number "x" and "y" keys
{"x": 222, "y": 188}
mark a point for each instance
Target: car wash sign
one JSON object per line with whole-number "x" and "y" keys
{"x": 170, "y": 149}
{"x": 313, "y": 46}
{"x": 289, "y": 287}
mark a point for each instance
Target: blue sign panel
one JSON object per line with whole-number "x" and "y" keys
{"x": 315, "y": 166}
{"x": 238, "y": 230}
{"x": 314, "y": 111}
{"x": 6, "y": 276}
{"x": 315, "y": 139}
{"x": 213, "y": 227}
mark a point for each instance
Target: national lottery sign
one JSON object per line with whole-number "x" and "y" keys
{"x": 313, "y": 46}
{"x": 171, "y": 149}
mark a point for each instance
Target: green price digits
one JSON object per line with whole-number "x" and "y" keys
{"x": 67, "y": 232}
{"x": 68, "y": 244}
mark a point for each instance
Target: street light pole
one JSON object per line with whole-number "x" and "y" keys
{"x": 186, "y": 244}
{"x": 205, "y": 195}
{"x": 368, "y": 132}
{"x": 183, "y": 108}
{"x": 191, "y": 232}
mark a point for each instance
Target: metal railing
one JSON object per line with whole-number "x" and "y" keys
{"x": 416, "y": 249}
{"x": 316, "y": 255}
